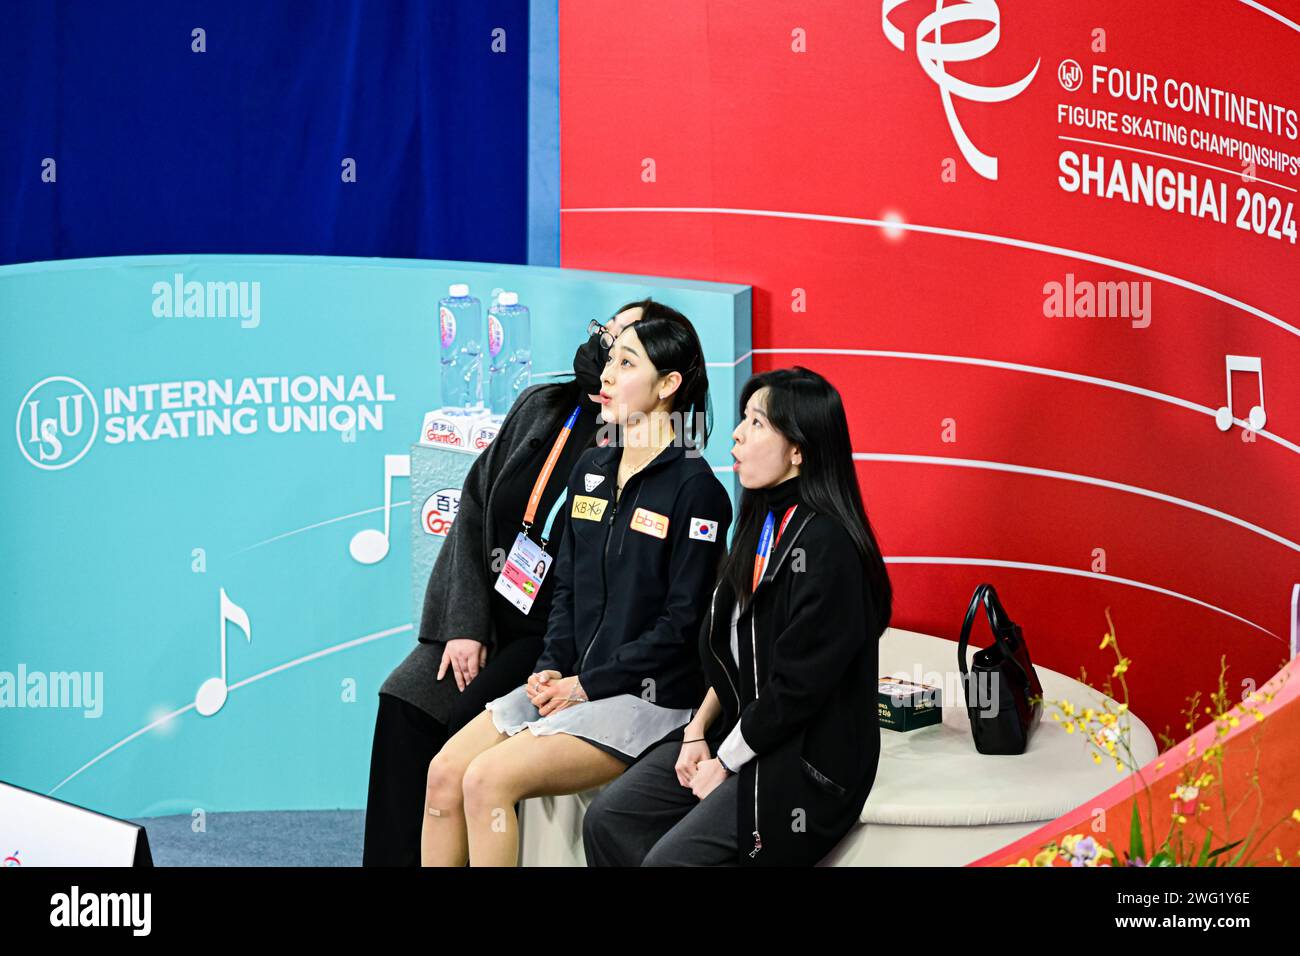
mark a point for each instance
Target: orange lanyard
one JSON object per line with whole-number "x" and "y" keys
{"x": 544, "y": 475}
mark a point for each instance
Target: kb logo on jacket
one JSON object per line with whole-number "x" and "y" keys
{"x": 588, "y": 508}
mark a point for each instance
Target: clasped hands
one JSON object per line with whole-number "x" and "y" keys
{"x": 697, "y": 770}
{"x": 550, "y": 692}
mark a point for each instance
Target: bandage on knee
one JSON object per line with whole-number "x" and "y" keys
{"x": 435, "y": 812}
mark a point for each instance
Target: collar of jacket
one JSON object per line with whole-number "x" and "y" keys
{"x": 607, "y": 458}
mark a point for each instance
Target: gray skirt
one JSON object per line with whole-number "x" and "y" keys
{"x": 625, "y": 725}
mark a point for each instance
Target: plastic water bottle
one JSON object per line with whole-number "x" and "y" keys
{"x": 460, "y": 342}
{"x": 510, "y": 352}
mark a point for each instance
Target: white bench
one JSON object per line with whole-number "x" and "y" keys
{"x": 936, "y": 800}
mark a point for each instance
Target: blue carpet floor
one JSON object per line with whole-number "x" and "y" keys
{"x": 264, "y": 838}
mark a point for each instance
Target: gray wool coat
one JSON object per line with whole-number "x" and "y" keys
{"x": 457, "y": 599}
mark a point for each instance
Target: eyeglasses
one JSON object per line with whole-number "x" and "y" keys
{"x": 606, "y": 337}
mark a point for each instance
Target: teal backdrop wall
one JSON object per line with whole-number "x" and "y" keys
{"x": 122, "y": 530}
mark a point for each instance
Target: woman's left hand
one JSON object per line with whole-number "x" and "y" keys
{"x": 563, "y": 693}
{"x": 708, "y": 774}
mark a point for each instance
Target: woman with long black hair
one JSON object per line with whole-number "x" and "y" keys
{"x": 775, "y": 766}
{"x": 646, "y": 524}
{"x": 473, "y": 643}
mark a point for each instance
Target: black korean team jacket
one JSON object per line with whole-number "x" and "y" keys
{"x": 804, "y": 693}
{"x": 633, "y": 578}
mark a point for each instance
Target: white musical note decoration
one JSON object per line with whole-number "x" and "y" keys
{"x": 371, "y": 545}
{"x": 1242, "y": 363}
{"x": 212, "y": 693}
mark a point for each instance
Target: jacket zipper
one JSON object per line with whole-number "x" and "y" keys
{"x": 623, "y": 540}
{"x": 734, "y": 689}
{"x": 604, "y": 583}
{"x": 753, "y": 643}
{"x": 605, "y": 561}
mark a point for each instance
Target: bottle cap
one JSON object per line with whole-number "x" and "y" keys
{"x": 508, "y": 298}
{"x": 459, "y": 290}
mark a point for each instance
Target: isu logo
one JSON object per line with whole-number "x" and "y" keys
{"x": 655, "y": 525}
{"x": 57, "y": 422}
{"x": 934, "y": 55}
{"x": 1070, "y": 75}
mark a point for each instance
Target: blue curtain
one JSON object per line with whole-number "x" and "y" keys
{"x": 160, "y": 149}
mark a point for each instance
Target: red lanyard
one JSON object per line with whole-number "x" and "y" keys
{"x": 766, "y": 545}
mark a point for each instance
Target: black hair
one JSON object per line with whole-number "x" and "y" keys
{"x": 808, "y": 411}
{"x": 672, "y": 345}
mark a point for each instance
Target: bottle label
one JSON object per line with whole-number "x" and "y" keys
{"x": 496, "y": 336}
{"x": 446, "y": 326}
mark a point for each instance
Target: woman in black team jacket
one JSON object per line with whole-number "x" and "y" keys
{"x": 620, "y": 671}
{"x": 790, "y": 715}
{"x": 473, "y": 643}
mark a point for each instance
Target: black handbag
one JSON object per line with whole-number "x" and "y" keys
{"x": 999, "y": 681}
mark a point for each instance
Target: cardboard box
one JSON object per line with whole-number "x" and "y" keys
{"x": 906, "y": 705}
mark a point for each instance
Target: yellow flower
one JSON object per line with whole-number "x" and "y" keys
{"x": 1020, "y": 862}
{"x": 1123, "y": 708}
{"x": 1105, "y": 639}
{"x": 1102, "y": 854}
{"x": 1119, "y": 765}
{"x": 1295, "y": 815}
{"x": 1045, "y": 858}
{"x": 1096, "y": 758}
{"x": 1120, "y": 668}
{"x": 1181, "y": 818}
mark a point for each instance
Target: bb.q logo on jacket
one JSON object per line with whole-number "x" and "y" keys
{"x": 934, "y": 55}
{"x": 57, "y": 422}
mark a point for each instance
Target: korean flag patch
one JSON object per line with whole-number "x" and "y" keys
{"x": 590, "y": 481}
{"x": 702, "y": 529}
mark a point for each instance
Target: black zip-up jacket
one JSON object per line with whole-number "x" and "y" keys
{"x": 631, "y": 592}
{"x": 804, "y": 692}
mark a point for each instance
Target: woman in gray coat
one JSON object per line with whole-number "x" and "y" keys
{"x": 475, "y": 645}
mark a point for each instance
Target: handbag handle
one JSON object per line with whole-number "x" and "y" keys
{"x": 999, "y": 622}
{"x": 975, "y": 600}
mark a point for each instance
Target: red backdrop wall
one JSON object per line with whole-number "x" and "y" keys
{"x": 796, "y": 148}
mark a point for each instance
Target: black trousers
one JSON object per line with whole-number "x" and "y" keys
{"x": 647, "y": 818}
{"x": 407, "y": 739}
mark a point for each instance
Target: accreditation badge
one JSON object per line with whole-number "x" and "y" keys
{"x": 525, "y": 569}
